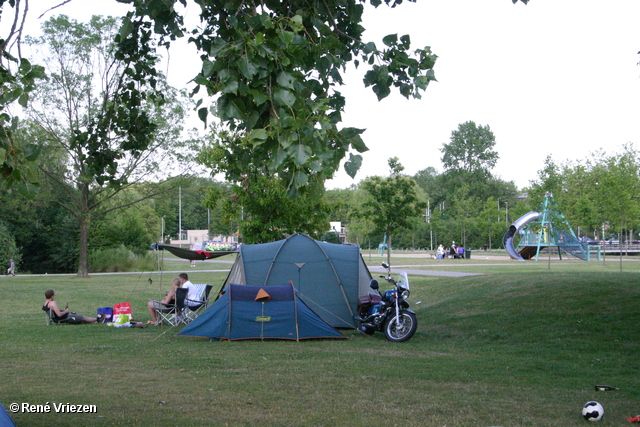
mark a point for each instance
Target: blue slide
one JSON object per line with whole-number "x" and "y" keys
{"x": 507, "y": 240}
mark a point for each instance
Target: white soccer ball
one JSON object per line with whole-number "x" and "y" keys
{"x": 592, "y": 411}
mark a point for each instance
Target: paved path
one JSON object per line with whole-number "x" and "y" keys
{"x": 424, "y": 272}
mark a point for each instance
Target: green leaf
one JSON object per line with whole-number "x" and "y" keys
{"x": 296, "y": 23}
{"x": 370, "y": 78}
{"x": 390, "y": 40}
{"x": 369, "y": 47}
{"x": 352, "y": 166}
{"x": 258, "y": 136}
{"x": 202, "y": 115}
{"x": 23, "y": 100}
{"x": 300, "y": 179}
{"x": 126, "y": 27}
{"x": 31, "y": 152}
{"x": 406, "y": 41}
{"x": 259, "y": 97}
{"x": 421, "y": 82}
{"x": 207, "y": 68}
{"x": 316, "y": 165}
{"x": 286, "y": 36}
{"x": 284, "y": 96}
{"x": 300, "y": 153}
{"x": 285, "y": 80}
{"x": 352, "y": 136}
{"x": 201, "y": 80}
{"x": 229, "y": 85}
{"x": 27, "y": 190}
{"x": 25, "y": 66}
{"x": 217, "y": 45}
{"x": 252, "y": 119}
{"x": 247, "y": 67}
{"x": 285, "y": 139}
{"x": 381, "y": 91}
{"x": 266, "y": 21}
{"x": 276, "y": 161}
{"x": 30, "y": 173}
{"x": 231, "y": 108}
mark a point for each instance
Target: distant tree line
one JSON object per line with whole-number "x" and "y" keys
{"x": 461, "y": 204}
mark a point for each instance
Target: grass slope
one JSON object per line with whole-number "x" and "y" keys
{"x": 520, "y": 345}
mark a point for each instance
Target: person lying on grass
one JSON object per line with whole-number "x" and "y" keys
{"x": 65, "y": 315}
{"x": 166, "y": 305}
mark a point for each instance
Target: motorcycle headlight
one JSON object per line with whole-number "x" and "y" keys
{"x": 405, "y": 294}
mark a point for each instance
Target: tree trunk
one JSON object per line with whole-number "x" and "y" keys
{"x": 83, "y": 222}
{"x": 389, "y": 249}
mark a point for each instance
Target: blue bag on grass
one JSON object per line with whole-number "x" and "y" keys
{"x": 105, "y": 314}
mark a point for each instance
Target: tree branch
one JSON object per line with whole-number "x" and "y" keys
{"x": 54, "y": 7}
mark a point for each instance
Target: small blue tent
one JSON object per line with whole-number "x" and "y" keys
{"x": 5, "y": 419}
{"x": 256, "y": 312}
{"x": 329, "y": 277}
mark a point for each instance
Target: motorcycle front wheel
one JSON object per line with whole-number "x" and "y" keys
{"x": 402, "y": 330}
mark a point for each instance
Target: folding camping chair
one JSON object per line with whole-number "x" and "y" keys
{"x": 195, "y": 307}
{"x": 50, "y": 318}
{"x": 173, "y": 314}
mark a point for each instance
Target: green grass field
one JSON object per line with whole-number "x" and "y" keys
{"x": 522, "y": 344}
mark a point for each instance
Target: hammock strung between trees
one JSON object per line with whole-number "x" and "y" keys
{"x": 189, "y": 254}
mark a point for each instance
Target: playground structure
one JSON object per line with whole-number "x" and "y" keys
{"x": 382, "y": 247}
{"x": 543, "y": 230}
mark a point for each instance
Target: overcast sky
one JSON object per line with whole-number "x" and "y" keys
{"x": 554, "y": 77}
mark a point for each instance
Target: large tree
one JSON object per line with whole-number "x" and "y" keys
{"x": 394, "y": 202}
{"x": 470, "y": 150}
{"x": 274, "y": 68}
{"x": 265, "y": 212}
{"x": 110, "y": 119}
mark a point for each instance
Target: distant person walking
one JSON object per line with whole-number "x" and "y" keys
{"x": 12, "y": 268}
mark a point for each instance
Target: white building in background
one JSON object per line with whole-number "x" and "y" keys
{"x": 338, "y": 228}
{"x": 200, "y": 238}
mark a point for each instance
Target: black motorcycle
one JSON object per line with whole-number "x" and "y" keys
{"x": 388, "y": 312}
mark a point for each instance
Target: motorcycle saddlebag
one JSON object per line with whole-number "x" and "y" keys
{"x": 370, "y": 299}
{"x": 366, "y": 301}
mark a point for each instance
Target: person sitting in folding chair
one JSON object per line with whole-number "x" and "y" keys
{"x": 166, "y": 305}
{"x": 197, "y": 297}
{"x": 62, "y": 316}
{"x": 194, "y": 292}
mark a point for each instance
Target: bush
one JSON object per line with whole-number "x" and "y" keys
{"x": 119, "y": 259}
{"x": 8, "y": 248}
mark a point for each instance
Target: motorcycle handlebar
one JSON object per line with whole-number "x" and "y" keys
{"x": 388, "y": 279}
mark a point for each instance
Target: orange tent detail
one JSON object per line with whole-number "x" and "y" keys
{"x": 262, "y": 294}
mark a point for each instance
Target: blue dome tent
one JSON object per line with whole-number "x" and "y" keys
{"x": 329, "y": 277}
{"x": 257, "y": 312}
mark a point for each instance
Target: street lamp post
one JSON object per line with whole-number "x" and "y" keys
{"x": 506, "y": 212}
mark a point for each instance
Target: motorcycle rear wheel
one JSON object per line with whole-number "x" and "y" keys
{"x": 402, "y": 330}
